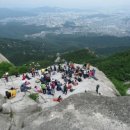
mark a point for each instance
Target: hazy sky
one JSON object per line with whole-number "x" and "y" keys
{"x": 65, "y": 3}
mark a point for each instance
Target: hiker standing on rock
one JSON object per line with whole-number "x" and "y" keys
{"x": 97, "y": 88}
{"x": 65, "y": 89}
{"x": 33, "y": 72}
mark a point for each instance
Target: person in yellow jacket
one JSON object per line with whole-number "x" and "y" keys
{"x": 11, "y": 93}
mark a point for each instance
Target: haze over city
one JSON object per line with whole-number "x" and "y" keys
{"x": 64, "y": 3}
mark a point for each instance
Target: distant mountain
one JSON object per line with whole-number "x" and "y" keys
{"x": 49, "y": 9}
{"x": 56, "y": 9}
{"x": 5, "y": 13}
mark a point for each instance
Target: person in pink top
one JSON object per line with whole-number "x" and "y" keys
{"x": 37, "y": 89}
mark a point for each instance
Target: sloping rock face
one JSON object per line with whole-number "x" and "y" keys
{"x": 4, "y": 119}
{"x": 3, "y": 59}
{"x": 2, "y": 101}
{"x": 14, "y": 112}
{"x": 84, "y": 111}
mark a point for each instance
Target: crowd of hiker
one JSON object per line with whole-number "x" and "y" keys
{"x": 71, "y": 75}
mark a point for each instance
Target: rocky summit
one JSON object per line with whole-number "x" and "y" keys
{"x": 81, "y": 109}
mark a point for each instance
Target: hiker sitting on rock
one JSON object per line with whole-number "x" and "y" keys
{"x": 37, "y": 72}
{"x": 24, "y": 87}
{"x": 11, "y": 93}
{"x": 78, "y": 78}
{"x": 37, "y": 89}
{"x": 90, "y": 73}
{"x": 59, "y": 88}
{"x": 80, "y": 73}
{"x": 47, "y": 77}
{"x": 49, "y": 91}
{"x": 33, "y": 72}
{"x": 85, "y": 73}
{"x": 65, "y": 89}
{"x": 69, "y": 87}
{"x": 23, "y": 76}
{"x": 43, "y": 87}
{"x": 75, "y": 82}
{"x": 27, "y": 77}
{"x": 42, "y": 79}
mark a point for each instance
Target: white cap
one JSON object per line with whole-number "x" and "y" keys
{"x": 6, "y": 73}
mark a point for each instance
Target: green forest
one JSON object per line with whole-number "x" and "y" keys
{"x": 23, "y": 51}
{"x": 116, "y": 67}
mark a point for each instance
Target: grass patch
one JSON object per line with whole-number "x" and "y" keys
{"x": 120, "y": 86}
{"x": 34, "y": 96}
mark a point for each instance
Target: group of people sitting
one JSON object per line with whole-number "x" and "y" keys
{"x": 71, "y": 76}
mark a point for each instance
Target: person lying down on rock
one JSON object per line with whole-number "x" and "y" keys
{"x": 59, "y": 99}
{"x": 11, "y": 93}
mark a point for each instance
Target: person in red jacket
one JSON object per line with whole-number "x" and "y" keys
{"x": 23, "y": 76}
{"x": 59, "y": 99}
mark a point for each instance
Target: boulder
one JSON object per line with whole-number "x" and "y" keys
{"x": 6, "y": 108}
{"x": 83, "y": 112}
{"x": 128, "y": 91}
{"x": 5, "y": 121}
{"x": 22, "y": 109}
{"x": 2, "y": 101}
{"x": 19, "y": 109}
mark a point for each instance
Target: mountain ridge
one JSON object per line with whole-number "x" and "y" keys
{"x": 3, "y": 59}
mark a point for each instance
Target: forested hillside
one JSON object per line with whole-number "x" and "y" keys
{"x": 116, "y": 67}
{"x": 22, "y": 51}
{"x": 80, "y": 56}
